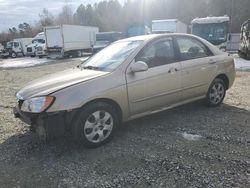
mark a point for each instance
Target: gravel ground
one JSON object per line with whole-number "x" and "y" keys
{"x": 190, "y": 146}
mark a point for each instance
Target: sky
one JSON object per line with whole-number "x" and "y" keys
{"x": 13, "y": 12}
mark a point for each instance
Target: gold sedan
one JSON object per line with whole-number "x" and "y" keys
{"x": 128, "y": 79}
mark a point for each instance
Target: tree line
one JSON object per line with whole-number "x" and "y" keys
{"x": 110, "y": 15}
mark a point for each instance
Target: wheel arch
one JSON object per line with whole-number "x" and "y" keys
{"x": 224, "y": 78}
{"x": 108, "y": 101}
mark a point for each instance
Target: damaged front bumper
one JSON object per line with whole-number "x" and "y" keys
{"x": 46, "y": 125}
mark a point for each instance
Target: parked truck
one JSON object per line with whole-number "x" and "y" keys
{"x": 103, "y": 39}
{"x": 31, "y": 48}
{"x": 17, "y": 47}
{"x": 213, "y": 29}
{"x": 136, "y": 30}
{"x": 3, "y": 53}
{"x": 168, "y": 26}
{"x": 69, "y": 40}
{"x": 244, "y": 49}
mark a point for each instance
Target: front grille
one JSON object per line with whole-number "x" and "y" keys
{"x": 39, "y": 48}
{"x": 29, "y": 49}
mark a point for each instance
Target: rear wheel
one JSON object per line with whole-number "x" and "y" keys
{"x": 216, "y": 93}
{"x": 248, "y": 56}
{"x": 95, "y": 124}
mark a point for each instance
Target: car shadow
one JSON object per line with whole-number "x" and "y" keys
{"x": 194, "y": 118}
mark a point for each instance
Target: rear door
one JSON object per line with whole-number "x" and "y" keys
{"x": 54, "y": 37}
{"x": 160, "y": 85}
{"x": 198, "y": 66}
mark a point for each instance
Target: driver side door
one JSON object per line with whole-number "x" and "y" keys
{"x": 160, "y": 85}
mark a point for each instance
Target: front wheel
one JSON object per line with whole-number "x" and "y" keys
{"x": 95, "y": 124}
{"x": 216, "y": 93}
{"x": 13, "y": 54}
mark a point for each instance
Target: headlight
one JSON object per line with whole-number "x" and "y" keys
{"x": 37, "y": 104}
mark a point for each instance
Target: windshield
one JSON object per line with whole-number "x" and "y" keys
{"x": 38, "y": 41}
{"x": 216, "y": 33}
{"x": 102, "y": 42}
{"x": 112, "y": 56}
{"x": 9, "y": 45}
{"x": 135, "y": 31}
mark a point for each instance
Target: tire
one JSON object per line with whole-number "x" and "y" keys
{"x": 40, "y": 57}
{"x": 248, "y": 56}
{"x": 216, "y": 93}
{"x": 91, "y": 129}
{"x": 13, "y": 54}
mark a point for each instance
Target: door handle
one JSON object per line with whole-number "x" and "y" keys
{"x": 212, "y": 62}
{"x": 172, "y": 70}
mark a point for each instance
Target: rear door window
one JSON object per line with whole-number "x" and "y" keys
{"x": 191, "y": 48}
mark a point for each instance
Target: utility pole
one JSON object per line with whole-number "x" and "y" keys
{"x": 231, "y": 15}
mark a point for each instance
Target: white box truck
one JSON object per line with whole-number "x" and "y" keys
{"x": 69, "y": 40}
{"x": 168, "y": 26}
{"x": 18, "y": 47}
{"x": 212, "y": 29}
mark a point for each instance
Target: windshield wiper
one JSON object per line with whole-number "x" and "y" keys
{"x": 90, "y": 67}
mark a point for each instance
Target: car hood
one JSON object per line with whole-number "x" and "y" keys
{"x": 31, "y": 45}
{"x": 54, "y": 82}
{"x": 100, "y": 46}
{"x": 41, "y": 45}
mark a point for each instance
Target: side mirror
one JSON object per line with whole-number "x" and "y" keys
{"x": 139, "y": 66}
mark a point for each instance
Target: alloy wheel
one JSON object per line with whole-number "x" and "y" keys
{"x": 217, "y": 93}
{"x": 98, "y": 126}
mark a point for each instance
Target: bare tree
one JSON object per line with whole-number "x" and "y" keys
{"x": 66, "y": 15}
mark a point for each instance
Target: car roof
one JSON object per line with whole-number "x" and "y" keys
{"x": 153, "y": 36}
{"x": 148, "y": 38}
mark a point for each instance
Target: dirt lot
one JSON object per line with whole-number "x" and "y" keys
{"x": 190, "y": 146}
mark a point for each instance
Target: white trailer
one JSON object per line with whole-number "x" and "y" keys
{"x": 69, "y": 40}
{"x": 18, "y": 47}
{"x": 168, "y": 26}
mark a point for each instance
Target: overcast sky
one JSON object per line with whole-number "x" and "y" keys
{"x": 13, "y": 12}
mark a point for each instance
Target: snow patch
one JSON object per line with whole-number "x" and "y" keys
{"x": 191, "y": 137}
{"x": 22, "y": 62}
{"x": 241, "y": 64}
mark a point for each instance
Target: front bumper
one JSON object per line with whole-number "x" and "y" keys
{"x": 46, "y": 125}
{"x": 41, "y": 53}
{"x": 30, "y": 53}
